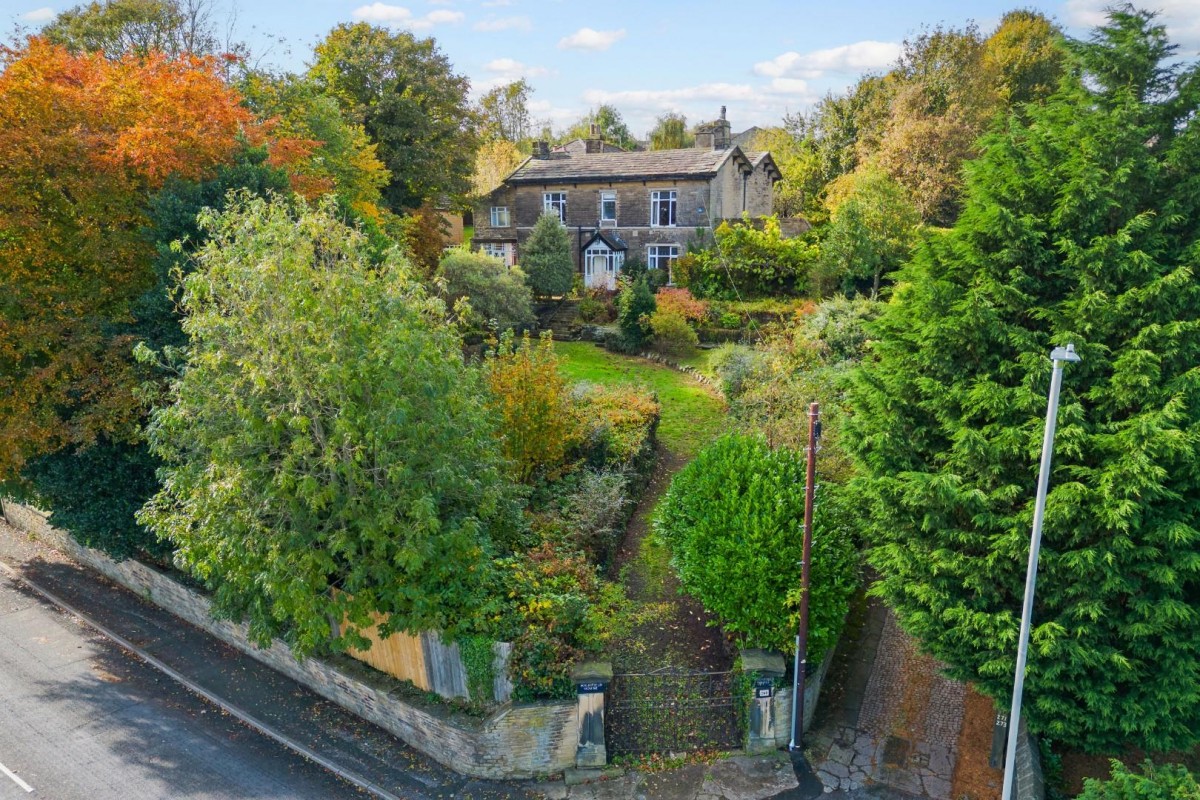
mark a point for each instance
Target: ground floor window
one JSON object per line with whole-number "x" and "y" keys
{"x": 662, "y": 256}
{"x": 505, "y": 251}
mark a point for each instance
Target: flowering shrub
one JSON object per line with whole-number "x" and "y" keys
{"x": 599, "y": 306}
{"x": 680, "y": 301}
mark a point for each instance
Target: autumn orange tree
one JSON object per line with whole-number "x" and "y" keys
{"x": 84, "y": 141}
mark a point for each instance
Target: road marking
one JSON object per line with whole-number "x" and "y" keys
{"x": 16, "y": 779}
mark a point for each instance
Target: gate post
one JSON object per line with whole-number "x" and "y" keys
{"x": 591, "y": 680}
{"x": 762, "y": 667}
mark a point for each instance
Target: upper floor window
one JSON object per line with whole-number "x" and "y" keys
{"x": 608, "y": 208}
{"x": 500, "y": 216}
{"x": 662, "y": 208}
{"x": 555, "y": 203}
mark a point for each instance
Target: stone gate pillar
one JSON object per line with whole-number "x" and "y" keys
{"x": 763, "y": 667}
{"x": 591, "y": 680}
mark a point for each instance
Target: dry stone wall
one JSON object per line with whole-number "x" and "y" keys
{"x": 515, "y": 741}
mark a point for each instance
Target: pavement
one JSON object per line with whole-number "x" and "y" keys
{"x": 897, "y": 723}
{"x": 286, "y": 732}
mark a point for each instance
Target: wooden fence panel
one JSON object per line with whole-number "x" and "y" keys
{"x": 399, "y": 655}
{"x": 443, "y": 665}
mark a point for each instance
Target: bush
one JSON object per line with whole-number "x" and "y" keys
{"x": 498, "y": 296}
{"x": 749, "y": 262}
{"x": 733, "y": 519}
{"x": 619, "y": 425}
{"x": 680, "y": 301}
{"x": 597, "y": 513}
{"x": 555, "y": 609}
{"x": 734, "y": 365}
{"x": 530, "y": 396}
{"x": 546, "y": 258}
{"x": 598, "y": 307}
{"x": 635, "y": 304}
{"x": 1166, "y": 782}
{"x": 730, "y": 320}
{"x": 672, "y": 334}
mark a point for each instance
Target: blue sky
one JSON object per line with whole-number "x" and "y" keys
{"x": 761, "y": 58}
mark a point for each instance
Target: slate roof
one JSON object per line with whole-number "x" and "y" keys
{"x": 566, "y": 168}
{"x": 610, "y": 238}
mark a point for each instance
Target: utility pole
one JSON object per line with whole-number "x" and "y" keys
{"x": 800, "y": 665}
{"x": 1057, "y": 357}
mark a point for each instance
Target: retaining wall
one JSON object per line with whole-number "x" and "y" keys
{"x": 515, "y": 741}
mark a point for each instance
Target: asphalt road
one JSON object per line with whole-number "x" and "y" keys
{"x": 80, "y": 719}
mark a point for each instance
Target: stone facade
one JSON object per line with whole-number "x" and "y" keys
{"x": 515, "y": 741}
{"x": 713, "y": 182}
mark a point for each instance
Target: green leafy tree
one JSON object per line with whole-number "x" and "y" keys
{"x": 1080, "y": 226}
{"x": 871, "y": 232}
{"x": 733, "y": 520}
{"x": 546, "y": 258}
{"x": 411, "y": 103}
{"x": 499, "y": 297}
{"x": 328, "y": 454}
{"x": 117, "y": 27}
{"x": 1167, "y": 782}
{"x": 612, "y": 127}
{"x": 671, "y": 133}
{"x": 504, "y": 113}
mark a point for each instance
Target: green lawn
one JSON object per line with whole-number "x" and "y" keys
{"x": 691, "y": 416}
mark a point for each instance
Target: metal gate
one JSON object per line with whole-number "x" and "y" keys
{"x": 672, "y": 712}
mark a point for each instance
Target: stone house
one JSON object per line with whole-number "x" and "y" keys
{"x": 643, "y": 205}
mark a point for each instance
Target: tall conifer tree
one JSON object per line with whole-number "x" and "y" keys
{"x": 1082, "y": 224}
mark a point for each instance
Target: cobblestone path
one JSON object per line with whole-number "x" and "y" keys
{"x": 898, "y": 723}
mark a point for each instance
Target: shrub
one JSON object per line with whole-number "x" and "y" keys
{"x": 499, "y": 297}
{"x": 598, "y": 307}
{"x": 1166, "y": 782}
{"x": 555, "y": 609}
{"x": 672, "y": 333}
{"x": 531, "y": 398}
{"x": 734, "y": 365}
{"x": 730, "y": 320}
{"x": 635, "y": 304}
{"x": 750, "y": 262}
{"x": 680, "y": 301}
{"x": 733, "y": 519}
{"x": 546, "y": 258}
{"x": 619, "y": 425}
{"x": 597, "y": 513}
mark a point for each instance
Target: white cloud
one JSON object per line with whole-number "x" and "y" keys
{"x": 504, "y": 24}
{"x": 591, "y": 40}
{"x": 496, "y": 3}
{"x": 670, "y": 99}
{"x": 399, "y": 16}
{"x": 1180, "y": 17}
{"x": 382, "y": 13}
{"x": 504, "y": 71}
{"x": 857, "y": 57}
{"x": 38, "y": 15}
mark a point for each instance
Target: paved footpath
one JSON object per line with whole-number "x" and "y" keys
{"x": 898, "y": 722}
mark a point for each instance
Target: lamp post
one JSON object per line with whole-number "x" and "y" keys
{"x": 1057, "y": 356}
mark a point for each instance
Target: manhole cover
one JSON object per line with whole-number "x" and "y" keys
{"x": 895, "y": 751}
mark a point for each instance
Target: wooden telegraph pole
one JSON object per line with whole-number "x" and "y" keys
{"x": 801, "y": 662}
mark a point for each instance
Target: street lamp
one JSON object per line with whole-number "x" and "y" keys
{"x": 1057, "y": 356}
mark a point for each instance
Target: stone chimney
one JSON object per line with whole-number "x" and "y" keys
{"x": 595, "y": 141}
{"x": 715, "y": 135}
{"x": 722, "y": 136}
{"x": 541, "y": 149}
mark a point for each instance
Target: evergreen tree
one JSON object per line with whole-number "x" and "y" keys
{"x": 546, "y": 258}
{"x": 1081, "y": 225}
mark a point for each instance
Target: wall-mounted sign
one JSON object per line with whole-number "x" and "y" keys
{"x": 592, "y": 687}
